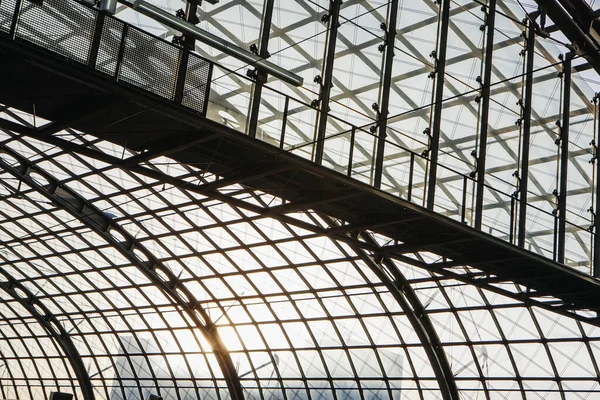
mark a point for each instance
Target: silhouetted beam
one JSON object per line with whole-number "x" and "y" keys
{"x": 571, "y": 17}
{"x": 216, "y": 42}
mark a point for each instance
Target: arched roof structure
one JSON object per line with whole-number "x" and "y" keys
{"x": 127, "y": 273}
{"x": 300, "y": 315}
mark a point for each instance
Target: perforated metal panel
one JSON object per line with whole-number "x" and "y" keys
{"x": 110, "y": 41}
{"x": 63, "y": 27}
{"x": 7, "y": 10}
{"x": 150, "y": 64}
{"x": 67, "y": 28}
{"x": 196, "y": 83}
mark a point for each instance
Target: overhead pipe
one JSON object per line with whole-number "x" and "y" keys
{"x": 216, "y": 42}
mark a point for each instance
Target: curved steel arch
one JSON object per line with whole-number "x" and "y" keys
{"x": 410, "y": 303}
{"x": 52, "y": 325}
{"x": 416, "y": 314}
{"x": 401, "y": 290}
{"x": 133, "y": 250}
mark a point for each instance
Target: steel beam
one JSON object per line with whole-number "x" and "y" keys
{"x": 596, "y": 256}
{"x": 438, "y": 103}
{"x": 326, "y": 77}
{"x": 526, "y": 121}
{"x": 384, "y": 97}
{"x": 575, "y": 19}
{"x": 490, "y": 23}
{"x": 216, "y": 42}
{"x": 133, "y": 250}
{"x": 188, "y": 45}
{"x": 70, "y": 146}
{"x": 306, "y": 167}
{"x": 261, "y": 75}
{"x": 564, "y": 158}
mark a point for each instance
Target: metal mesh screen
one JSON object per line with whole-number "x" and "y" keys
{"x": 63, "y": 27}
{"x": 196, "y": 83}
{"x": 150, "y": 64}
{"x": 68, "y": 27}
{"x": 7, "y": 10}
{"x": 108, "y": 52}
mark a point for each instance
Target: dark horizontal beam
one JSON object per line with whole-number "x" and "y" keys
{"x": 136, "y": 116}
{"x": 573, "y": 18}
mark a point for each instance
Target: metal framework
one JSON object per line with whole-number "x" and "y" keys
{"x": 149, "y": 248}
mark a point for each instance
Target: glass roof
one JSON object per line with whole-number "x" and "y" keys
{"x": 297, "y": 42}
{"x": 301, "y": 315}
{"x": 161, "y": 290}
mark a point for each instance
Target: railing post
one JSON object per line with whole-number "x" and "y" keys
{"x": 384, "y": 90}
{"x": 596, "y": 260}
{"x": 326, "y": 78}
{"x": 284, "y": 122}
{"x": 261, "y": 76}
{"x": 485, "y": 112}
{"x": 411, "y": 171}
{"x": 351, "y": 155}
{"x": 438, "y": 104}
{"x": 207, "y": 89}
{"x": 524, "y": 174}
{"x": 121, "y": 51}
{"x": 464, "y": 201}
{"x": 511, "y": 235}
{"x": 184, "y": 57}
{"x": 13, "y": 25}
{"x": 564, "y": 158}
{"x": 96, "y": 40}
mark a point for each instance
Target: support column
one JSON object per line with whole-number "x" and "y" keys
{"x": 596, "y": 260}
{"x": 188, "y": 45}
{"x": 384, "y": 97}
{"x": 326, "y": 78}
{"x": 524, "y": 175}
{"x": 485, "y": 112}
{"x": 564, "y": 158}
{"x": 261, "y": 75}
{"x": 437, "y": 106}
